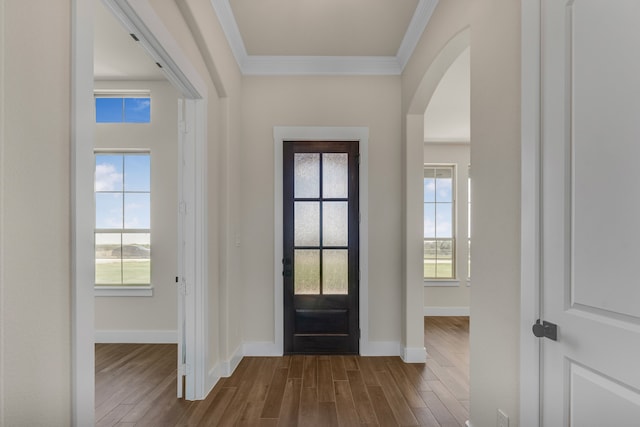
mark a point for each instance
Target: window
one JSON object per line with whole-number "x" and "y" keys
{"x": 123, "y": 109}
{"x": 439, "y": 239}
{"x": 123, "y": 219}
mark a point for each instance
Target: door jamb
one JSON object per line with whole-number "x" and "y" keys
{"x": 530, "y": 289}
{"x": 158, "y": 41}
{"x": 294, "y": 133}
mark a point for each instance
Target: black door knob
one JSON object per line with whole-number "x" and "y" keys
{"x": 538, "y": 329}
{"x": 545, "y": 329}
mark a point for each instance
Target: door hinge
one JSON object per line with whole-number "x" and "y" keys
{"x": 182, "y": 286}
{"x": 182, "y": 208}
{"x": 184, "y": 369}
{"x": 357, "y": 159}
{"x": 184, "y": 127}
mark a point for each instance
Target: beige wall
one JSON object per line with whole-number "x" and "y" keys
{"x": 495, "y": 156}
{"x": 35, "y": 282}
{"x": 453, "y": 294}
{"x": 159, "y": 312}
{"x": 373, "y": 102}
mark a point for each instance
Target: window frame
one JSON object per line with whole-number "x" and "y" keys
{"x": 121, "y": 94}
{"x": 122, "y": 289}
{"x": 453, "y": 280}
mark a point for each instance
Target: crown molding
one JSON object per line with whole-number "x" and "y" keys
{"x": 418, "y": 23}
{"x": 323, "y": 65}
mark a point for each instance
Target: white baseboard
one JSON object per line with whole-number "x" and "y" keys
{"x": 214, "y": 376}
{"x": 235, "y": 360}
{"x": 223, "y": 369}
{"x": 380, "y": 348}
{"x": 446, "y": 311}
{"x": 372, "y": 348}
{"x": 136, "y": 337}
{"x": 261, "y": 348}
{"x": 414, "y": 355}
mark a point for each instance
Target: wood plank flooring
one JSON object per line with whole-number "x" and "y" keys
{"x": 136, "y": 386}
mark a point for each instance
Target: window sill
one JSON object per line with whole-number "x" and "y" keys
{"x": 442, "y": 283}
{"x": 123, "y": 291}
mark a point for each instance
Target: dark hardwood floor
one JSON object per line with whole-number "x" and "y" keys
{"x": 136, "y": 386}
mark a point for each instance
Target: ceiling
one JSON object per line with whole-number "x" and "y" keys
{"x": 323, "y": 28}
{"x": 327, "y": 37}
{"x": 116, "y": 55}
{"x": 323, "y": 37}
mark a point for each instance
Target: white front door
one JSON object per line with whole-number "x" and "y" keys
{"x": 590, "y": 212}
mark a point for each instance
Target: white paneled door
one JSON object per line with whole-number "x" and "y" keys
{"x": 590, "y": 212}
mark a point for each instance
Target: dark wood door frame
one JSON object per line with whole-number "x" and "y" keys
{"x": 321, "y": 323}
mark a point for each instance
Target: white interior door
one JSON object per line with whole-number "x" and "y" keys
{"x": 590, "y": 215}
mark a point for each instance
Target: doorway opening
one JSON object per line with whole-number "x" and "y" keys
{"x": 438, "y": 129}
{"x": 189, "y": 184}
{"x": 329, "y": 135}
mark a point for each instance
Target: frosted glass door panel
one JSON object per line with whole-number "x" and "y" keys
{"x": 335, "y": 176}
{"x": 307, "y": 223}
{"x": 335, "y": 272}
{"x": 335, "y": 223}
{"x": 307, "y": 272}
{"x": 306, "y": 170}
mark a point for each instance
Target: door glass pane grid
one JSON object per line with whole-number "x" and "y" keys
{"x": 321, "y": 234}
{"x": 335, "y": 278}
{"x": 335, "y": 177}
{"x": 307, "y": 271}
{"x": 306, "y": 170}
{"x": 306, "y": 223}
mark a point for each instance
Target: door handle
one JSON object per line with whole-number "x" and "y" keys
{"x": 545, "y": 329}
{"x": 286, "y": 262}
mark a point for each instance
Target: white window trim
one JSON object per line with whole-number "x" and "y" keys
{"x": 121, "y": 93}
{"x": 435, "y": 283}
{"x": 123, "y": 291}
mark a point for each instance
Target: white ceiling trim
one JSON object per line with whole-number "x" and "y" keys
{"x": 323, "y": 65}
{"x": 320, "y": 65}
{"x": 418, "y": 23}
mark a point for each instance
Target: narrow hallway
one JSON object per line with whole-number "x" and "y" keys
{"x": 135, "y": 386}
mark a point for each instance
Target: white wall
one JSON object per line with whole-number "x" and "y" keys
{"x": 35, "y": 264}
{"x": 372, "y": 102}
{"x": 154, "y": 318}
{"x": 446, "y": 297}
